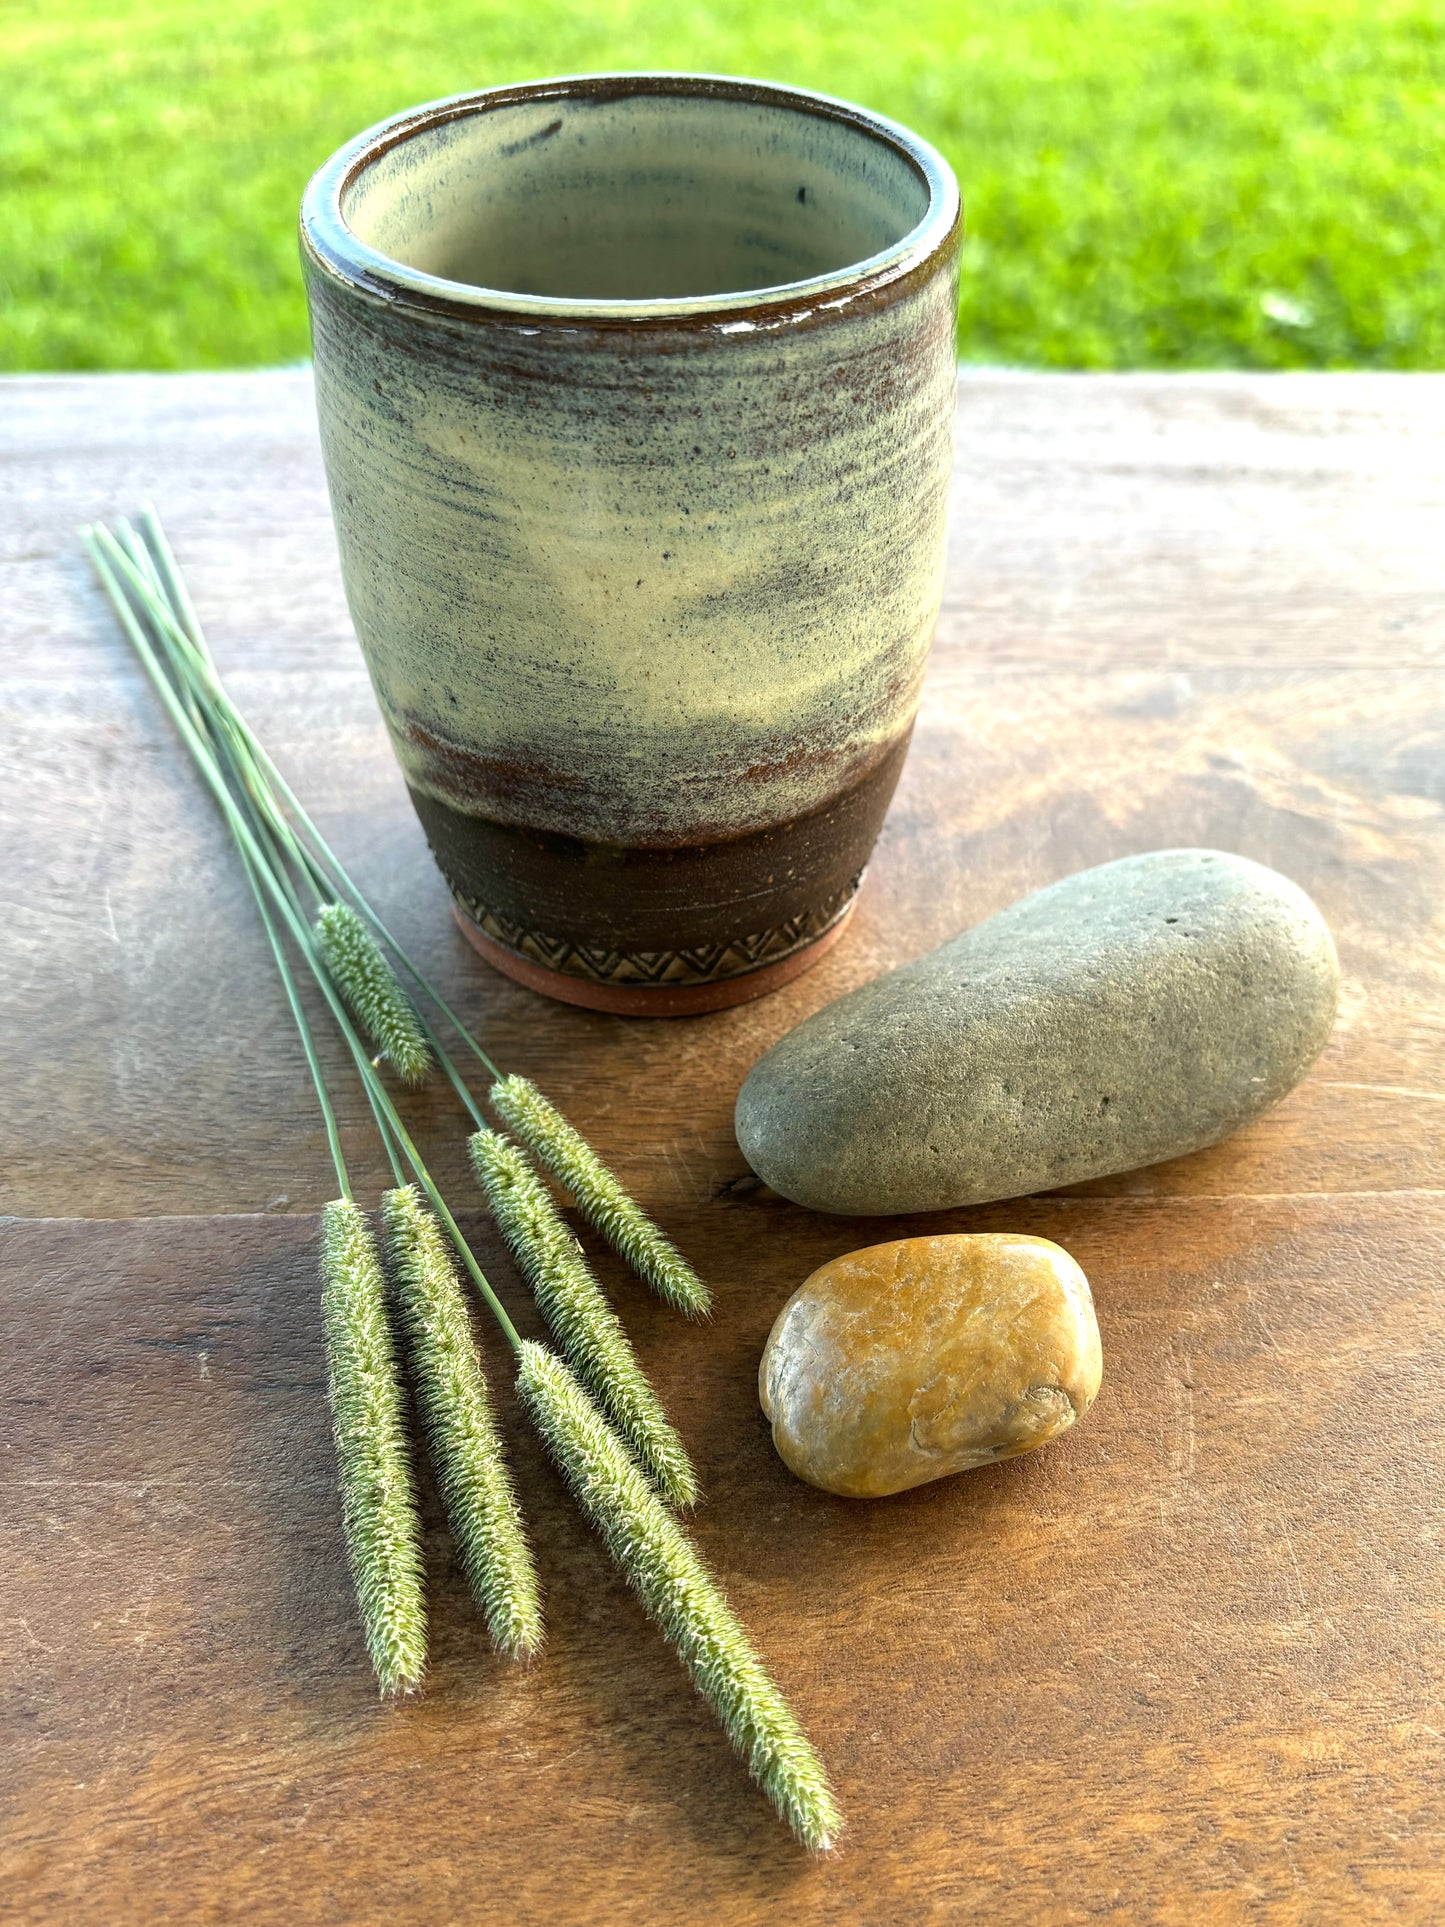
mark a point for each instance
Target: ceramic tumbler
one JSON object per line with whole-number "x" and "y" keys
{"x": 636, "y": 397}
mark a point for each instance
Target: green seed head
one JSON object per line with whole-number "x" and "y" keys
{"x": 466, "y": 1446}
{"x": 600, "y": 1198}
{"x": 679, "y": 1592}
{"x": 369, "y": 987}
{"x": 377, "y": 1500}
{"x": 583, "y": 1323}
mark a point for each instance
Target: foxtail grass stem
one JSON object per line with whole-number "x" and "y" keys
{"x": 643, "y": 1538}
{"x": 300, "y": 931}
{"x": 189, "y": 635}
{"x": 303, "y": 1028}
{"x": 578, "y": 1315}
{"x": 667, "y": 1574}
{"x": 371, "y": 992}
{"x": 378, "y": 1504}
{"x": 600, "y": 1198}
{"x": 466, "y": 1447}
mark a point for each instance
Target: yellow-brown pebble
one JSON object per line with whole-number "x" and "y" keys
{"x": 907, "y": 1361}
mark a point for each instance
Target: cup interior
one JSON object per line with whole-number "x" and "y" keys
{"x": 606, "y": 196}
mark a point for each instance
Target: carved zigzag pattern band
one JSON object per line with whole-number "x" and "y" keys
{"x": 706, "y": 963}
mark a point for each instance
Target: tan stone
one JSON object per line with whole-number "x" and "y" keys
{"x": 907, "y": 1361}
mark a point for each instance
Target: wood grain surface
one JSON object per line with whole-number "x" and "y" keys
{"x": 1183, "y": 1666}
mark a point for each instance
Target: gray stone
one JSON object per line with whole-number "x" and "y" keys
{"x": 1122, "y": 1016}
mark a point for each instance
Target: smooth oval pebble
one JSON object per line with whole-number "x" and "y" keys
{"x": 908, "y": 1361}
{"x": 1128, "y": 1014}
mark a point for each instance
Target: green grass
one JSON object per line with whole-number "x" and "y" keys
{"x": 1149, "y": 183}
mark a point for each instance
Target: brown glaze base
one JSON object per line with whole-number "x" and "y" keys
{"x": 649, "y": 899}
{"x": 660, "y": 931}
{"x": 663, "y": 1000}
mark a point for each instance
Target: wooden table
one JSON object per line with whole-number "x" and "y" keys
{"x": 1184, "y": 1666}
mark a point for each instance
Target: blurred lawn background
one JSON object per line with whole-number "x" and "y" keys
{"x": 1148, "y": 183}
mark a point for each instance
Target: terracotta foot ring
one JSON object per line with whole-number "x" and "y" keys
{"x": 663, "y": 1000}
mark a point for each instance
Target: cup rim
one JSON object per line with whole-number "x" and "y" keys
{"x": 336, "y": 247}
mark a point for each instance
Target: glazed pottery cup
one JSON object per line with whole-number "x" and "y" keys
{"x": 636, "y": 396}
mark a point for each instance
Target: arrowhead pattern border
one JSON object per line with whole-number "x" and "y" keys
{"x": 706, "y": 963}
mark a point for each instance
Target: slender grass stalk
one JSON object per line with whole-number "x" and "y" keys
{"x": 665, "y": 1571}
{"x": 599, "y": 1196}
{"x": 642, "y": 1536}
{"x": 365, "y": 1387}
{"x": 466, "y": 1447}
{"x": 378, "y": 1499}
{"x": 378, "y": 1506}
{"x": 373, "y": 996}
{"x": 357, "y": 964}
{"x": 99, "y": 545}
{"x": 148, "y": 569}
{"x": 179, "y": 615}
{"x": 581, "y": 1320}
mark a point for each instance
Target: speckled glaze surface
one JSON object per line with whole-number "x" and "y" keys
{"x": 636, "y": 397}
